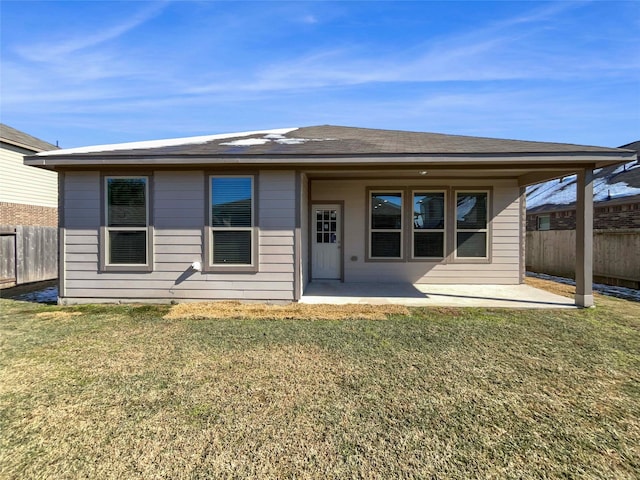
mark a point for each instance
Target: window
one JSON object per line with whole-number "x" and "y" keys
{"x": 127, "y": 221}
{"x": 326, "y": 225}
{"x": 428, "y": 224}
{"x": 385, "y": 233}
{"x": 471, "y": 225}
{"x": 544, "y": 222}
{"x": 232, "y": 220}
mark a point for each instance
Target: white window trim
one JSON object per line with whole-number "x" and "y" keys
{"x": 252, "y": 228}
{"x": 473, "y": 230}
{"x": 386, "y": 230}
{"x": 145, "y": 229}
{"x": 415, "y": 230}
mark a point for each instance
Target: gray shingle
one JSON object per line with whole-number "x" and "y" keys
{"x": 11, "y": 135}
{"x": 328, "y": 140}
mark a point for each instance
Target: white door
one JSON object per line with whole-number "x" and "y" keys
{"x": 326, "y": 236}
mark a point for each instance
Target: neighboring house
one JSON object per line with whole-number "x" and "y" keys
{"x": 552, "y": 205}
{"x": 28, "y": 196}
{"x": 258, "y": 215}
{"x": 28, "y": 211}
{"x": 551, "y": 224}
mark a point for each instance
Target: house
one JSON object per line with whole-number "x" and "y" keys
{"x": 259, "y": 215}
{"x": 552, "y": 206}
{"x": 28, "y": 212}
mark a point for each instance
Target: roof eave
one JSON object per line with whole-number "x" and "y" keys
{"x": 595, "y": 159}
{"x": 24, "y": 146}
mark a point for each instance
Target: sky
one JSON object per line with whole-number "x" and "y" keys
{"x": 85, "y": 73}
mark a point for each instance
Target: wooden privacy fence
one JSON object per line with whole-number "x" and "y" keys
{"x": 616, "y": 255}
{"x": 27, "y": 254}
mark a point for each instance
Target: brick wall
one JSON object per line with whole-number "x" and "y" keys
{"x": 32, "y": 215}
{"x": 565, "y": 220}
{"x": 617, "y": 216}
{"x": 609, "y": 217}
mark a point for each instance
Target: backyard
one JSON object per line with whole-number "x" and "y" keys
{"x": 270, "y": 392}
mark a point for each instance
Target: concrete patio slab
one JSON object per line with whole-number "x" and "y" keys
{"x": 504, "y": 296}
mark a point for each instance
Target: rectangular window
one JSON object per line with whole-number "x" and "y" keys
{"x": 428, "y": 224}
{"x": 385, "y": 229}
{"x": 472, "y": 231}
{"x": 232, "y": 221}
{"x": 127, "y": 221}
{"x": 544, "y": 222}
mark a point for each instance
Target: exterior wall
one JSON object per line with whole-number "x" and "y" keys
{"x": 179, "y": 202}
{"x": 304, "y": 222}
{"x": 28, "y": 215}
{"x": 178, "y": 216}
{"x": 605, "y": 217}
{"x": 505, "y": 235}
{"x": 523, "y": 233}
{"x": 26, "y": 185}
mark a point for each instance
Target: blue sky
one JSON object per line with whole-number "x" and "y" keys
{"x": 84, "y": 73}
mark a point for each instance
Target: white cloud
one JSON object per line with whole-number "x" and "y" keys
{"x": 51, "y": 52}
{"x": 249, "y": 72}
{"x": 511, "y": 49}
{"x": 310, "y": 19}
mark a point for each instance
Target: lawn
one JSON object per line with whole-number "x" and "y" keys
{"x": 123, "y": 392}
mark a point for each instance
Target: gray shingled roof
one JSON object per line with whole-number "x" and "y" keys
{"x": 632, "y": 146}
{"x": 16, "y": 137}
{"x": 328, "y": 140}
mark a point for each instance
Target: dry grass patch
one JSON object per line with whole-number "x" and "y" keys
{"x": 551, "y": 286}
{"x": 623, "y": 310}
{"x": 291, "y": 311}
{"x": 57, "y": 315}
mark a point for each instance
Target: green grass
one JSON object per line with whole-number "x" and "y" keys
{"x": 120, "y": 392}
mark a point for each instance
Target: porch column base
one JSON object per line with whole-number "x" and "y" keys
{"x": 584, "y": 301}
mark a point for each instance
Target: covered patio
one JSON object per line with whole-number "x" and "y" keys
{"x": 500, "y": 296}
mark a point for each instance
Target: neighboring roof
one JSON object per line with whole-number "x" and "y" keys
{"x": 610, "y": 184}
{"x": 632, "y": 146}
{"x": 327, "y": 140}
{"x": 24, "y": 140}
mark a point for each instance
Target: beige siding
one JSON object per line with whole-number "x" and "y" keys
{"x": 23, "y": 184}
{"x": 178, "y": 219}
{"x": 276, "y": 214}
{"x": 503, "y": 269}
{"x": 178, "y": 214}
